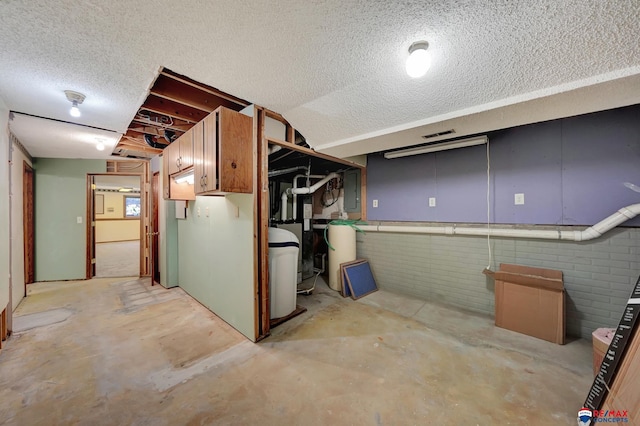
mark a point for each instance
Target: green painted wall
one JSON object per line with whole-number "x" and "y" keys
{"x": 60, "y": 186}
{"x": 168, "y": 238}
{"x": 216, "y": 258}
{"x": 4, "y": 206}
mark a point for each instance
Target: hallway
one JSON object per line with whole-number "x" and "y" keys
{"x": 118, "y": 259}
{"x": 118, "y": 351}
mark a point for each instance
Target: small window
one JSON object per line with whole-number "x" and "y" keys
{"x": 131, "y": 206}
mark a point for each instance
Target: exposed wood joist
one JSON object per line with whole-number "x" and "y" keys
{"x": 185, "y": 94}
{"x": 133, "y": 138}
{"x": 173, "y": 109}
{"x": 178, "y": 125}
{"x": 212, "y": 90}
{"x": 175, "y": 103}
{"x": 302, "y": 149}
{"x": 126, "y": 144}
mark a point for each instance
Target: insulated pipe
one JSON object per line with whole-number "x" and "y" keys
{"x": 295, "y": 196}
{"x": 590, "y": 233}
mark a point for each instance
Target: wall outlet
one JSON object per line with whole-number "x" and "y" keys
{"x": 519, "y": 199}
{"x": 198, "y": 211}
{"x": 79, "y": 219}
{"x": 375, "y": 203}
{"x": 206, "y": 211}
{"x": 432, "y": 201}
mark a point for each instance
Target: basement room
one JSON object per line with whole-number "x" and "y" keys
{"x": 366, "y": 213}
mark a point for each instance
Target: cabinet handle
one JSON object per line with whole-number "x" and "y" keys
{"x": 233, "y": 165}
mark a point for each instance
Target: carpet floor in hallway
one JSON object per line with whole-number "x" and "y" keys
{"x": 121, "y": 352}
{"x": 118, "y": 259}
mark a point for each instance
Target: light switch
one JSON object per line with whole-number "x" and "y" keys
{"x": 375, "y": 203}
{"x": 432, "y": 201}
{"x": 79, "y": 219}
{"x": 519, "y": 199}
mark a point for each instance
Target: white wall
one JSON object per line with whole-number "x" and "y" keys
{"x": 4, "y": 206}
{"x": 17, "y": 229}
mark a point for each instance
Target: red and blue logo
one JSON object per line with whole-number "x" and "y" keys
{"x": 584, "y": 417}
{"x": 587, "y": 416}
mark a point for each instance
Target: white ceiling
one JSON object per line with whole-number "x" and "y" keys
{"x": 333, "y": 68}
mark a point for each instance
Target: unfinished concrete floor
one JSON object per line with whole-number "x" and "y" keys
{"x": 118, "y": 351}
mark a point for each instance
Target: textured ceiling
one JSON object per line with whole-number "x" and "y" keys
{"x": 334, "y": 69}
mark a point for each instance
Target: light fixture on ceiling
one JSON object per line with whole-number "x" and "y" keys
{"x": 437, "y": 146}
{"x": 125, "y": 189}
{"x": 76, "y": 98}
{"x": 419, "y": 59}
{"x": 100, "y": 144}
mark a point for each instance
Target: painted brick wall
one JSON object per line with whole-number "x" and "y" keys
{"x": 599, "y": 275}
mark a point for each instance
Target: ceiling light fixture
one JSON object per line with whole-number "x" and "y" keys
{"x": 76, "y": 98}
{"x": 125, "y": 189}
{"x": 100, "y": 144}
{"x": 438, "y": 146}
{"x": 419, "y": 59}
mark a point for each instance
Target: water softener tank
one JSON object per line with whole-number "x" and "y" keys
{"x": 283, "y": 272}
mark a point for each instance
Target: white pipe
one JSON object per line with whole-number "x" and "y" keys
{"x": 295, "y": 195}
{"x": 313, "y": 188}
{"x": 285, "y": 194}
{"x": 590, "y": 233}
{"x": 283, "y": 206}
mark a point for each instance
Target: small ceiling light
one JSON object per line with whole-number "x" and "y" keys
{"x": 419, "y": 60}
{"x": 125, "y": 189}
{"x": 76, "y": 98}
{"x": 100, "y": 144}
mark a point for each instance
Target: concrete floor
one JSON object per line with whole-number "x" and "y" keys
{"x": 118, "y": 351}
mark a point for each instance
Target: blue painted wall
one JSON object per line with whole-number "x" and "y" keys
{"x": 572, "y": 172}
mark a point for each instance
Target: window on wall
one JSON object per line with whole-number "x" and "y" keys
{"x": 132, "y": 206}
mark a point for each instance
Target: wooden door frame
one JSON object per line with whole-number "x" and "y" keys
{"x": 90, "y": 272}
{"x": 154, "y": 219}
{"x": 28, "y": 226}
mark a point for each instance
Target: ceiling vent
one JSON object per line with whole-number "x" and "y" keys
{"x": 435, "y": 135}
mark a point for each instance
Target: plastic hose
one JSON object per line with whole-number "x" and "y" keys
{"x": 345, "y": 222}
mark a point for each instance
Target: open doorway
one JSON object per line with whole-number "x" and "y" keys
{"x": 117, "y": 227}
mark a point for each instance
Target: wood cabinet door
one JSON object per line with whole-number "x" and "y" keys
{"x": 198, "y": 156}
{"x": 235, "y": 153}
{"x": 173, "y": 156}
{"x": 186, "y": 149}
{"x": 165, "y": 174}
{"x": 210, "y": 152}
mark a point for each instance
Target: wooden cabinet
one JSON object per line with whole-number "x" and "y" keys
{"x": 177, "y": 158}
{"x": 224, "y": 155}
{"x": 180, "y": 153}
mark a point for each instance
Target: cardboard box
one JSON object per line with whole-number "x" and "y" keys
{"x": 530, "y": 301}
{"x": 601, "y": 339}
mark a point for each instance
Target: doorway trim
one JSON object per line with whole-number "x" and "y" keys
{"x": 91, "y": 222}
{"x": 28, "y": 224}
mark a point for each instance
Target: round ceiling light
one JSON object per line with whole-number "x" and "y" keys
{"x": 76, "y": 98}
{"x": 419, "y": 59}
